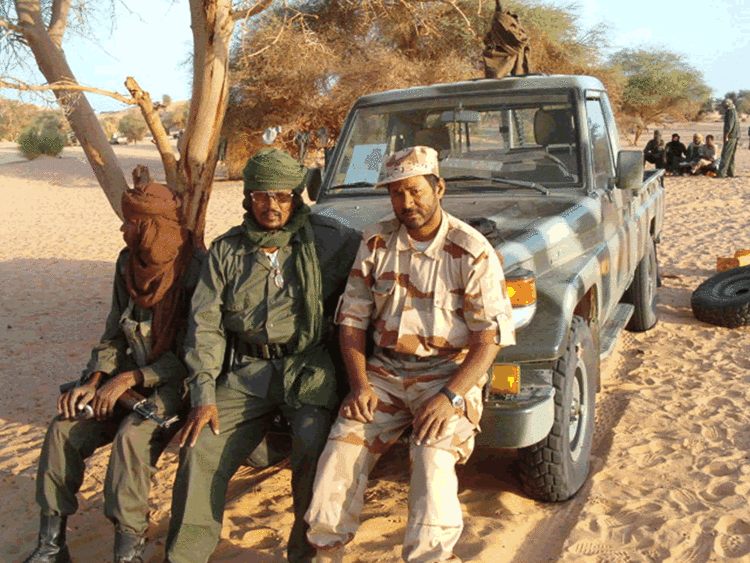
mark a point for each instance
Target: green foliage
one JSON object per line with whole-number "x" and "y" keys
{"x": 16, "y": 117}
{"x": 32, "y": 143}
{"x": 658, "y": 84}
{"x": 133, "y": 127}
{"x": 51, "y": 142}
{"x": 28, "y": 143}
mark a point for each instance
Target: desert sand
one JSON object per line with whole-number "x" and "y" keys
{"x": 670, "y": 476}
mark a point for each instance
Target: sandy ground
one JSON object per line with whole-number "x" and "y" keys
{"x": 669, "y": 479}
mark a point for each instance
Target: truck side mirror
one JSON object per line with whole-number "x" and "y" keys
{"x": 629, "y": 170}
{"x": 314, "y": 179}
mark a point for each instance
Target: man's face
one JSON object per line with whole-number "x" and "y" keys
{"x": 696, "y": 140}
{"x": 272, "y": 210}
{"x": 710, "y": 141}
{"x": 415, "y": 201}
{"x": 675, "y": 138}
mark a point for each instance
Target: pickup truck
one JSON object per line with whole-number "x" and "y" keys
{"x": 533, "y": 163}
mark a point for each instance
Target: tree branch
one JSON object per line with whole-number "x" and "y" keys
{"x": 58, "y": 21}
{"x": 12, "y": 27}
{"x": 15, "y": 84}
{"x": 259, "y": 7}
{"x": 143, "y": 99}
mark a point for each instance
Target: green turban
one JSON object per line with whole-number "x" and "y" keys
{"x": 271, "y": 169}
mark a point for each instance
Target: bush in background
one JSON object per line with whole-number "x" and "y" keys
{"x": 33, "y": 144}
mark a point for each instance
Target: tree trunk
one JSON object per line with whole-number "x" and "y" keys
{"x": 52, "y": 63}
{"x": 212, "y": 26}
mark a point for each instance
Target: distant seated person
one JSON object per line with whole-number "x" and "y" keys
{"x": 707, "y": 158}
{"x": 692, "y": 152}
{"x": 654, "y": 151}
{"x": 675, "y": 151}
{"x": 692, "y": 155}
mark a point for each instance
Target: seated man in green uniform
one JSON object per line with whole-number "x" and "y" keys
{"x": 256, "y": 345}
{"x": 141, "y": 348}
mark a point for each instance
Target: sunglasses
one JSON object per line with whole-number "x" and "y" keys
{"x": 264, "y": 198}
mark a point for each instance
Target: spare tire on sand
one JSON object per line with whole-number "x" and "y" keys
{"x": 724, "y": 299}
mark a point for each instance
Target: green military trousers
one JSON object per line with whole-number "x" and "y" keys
{"x": 137, "y": 445}
{"x": 203, "y": 476}
{"x": 726, "y": 163}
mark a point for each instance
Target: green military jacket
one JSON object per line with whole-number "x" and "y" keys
{"x": 237, "y": 301}
{"x": 112, "y": 356}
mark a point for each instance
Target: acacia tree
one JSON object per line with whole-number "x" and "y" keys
{"x": 658, "y": 84}
{"x": 40, "y": 26}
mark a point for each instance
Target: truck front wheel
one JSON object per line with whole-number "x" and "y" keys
{"x": 555, "y": 468}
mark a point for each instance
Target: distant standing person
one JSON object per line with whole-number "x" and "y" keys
{"x": 654, "y": 151}
{"x": 731, "y": 138}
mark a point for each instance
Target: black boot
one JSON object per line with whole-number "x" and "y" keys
{"x": 51, "y": 547}
{"x": 129, "y": 548}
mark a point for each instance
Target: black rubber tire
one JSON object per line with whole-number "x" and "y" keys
{"x": 642, "y": 292}
{"x": 555, "y": 469}
{"x": 724, "y": 299}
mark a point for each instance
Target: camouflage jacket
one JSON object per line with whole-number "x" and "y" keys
{"x": 427, "y": 303}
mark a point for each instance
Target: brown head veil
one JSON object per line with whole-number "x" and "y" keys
{"x": 160, "y": 250}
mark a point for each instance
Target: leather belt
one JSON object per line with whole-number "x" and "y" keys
{"x": 265, "y": 351}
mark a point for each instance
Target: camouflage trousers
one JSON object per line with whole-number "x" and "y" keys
{"x": 435, "y": 522}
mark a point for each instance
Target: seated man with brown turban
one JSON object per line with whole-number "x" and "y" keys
{"x": 141, "y": 348}
{"x": 256, "y": 345}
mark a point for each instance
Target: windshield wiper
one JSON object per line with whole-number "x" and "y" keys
{"x": 517, "y": 183}
{"x": 354, "y": 185}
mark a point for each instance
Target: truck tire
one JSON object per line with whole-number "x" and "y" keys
{"x": 724, "y": 299}
{"x": 554, "y": 469}
{"x": 642, "y": 292}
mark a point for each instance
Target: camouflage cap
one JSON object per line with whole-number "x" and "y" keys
{"x": 409, "y": 162}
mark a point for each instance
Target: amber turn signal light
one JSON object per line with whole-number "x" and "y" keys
{"x": 506, "y": 379}
{"x": 522, "y": 291}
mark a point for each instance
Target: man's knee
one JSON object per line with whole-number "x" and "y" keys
{"x": 310, "y": 429}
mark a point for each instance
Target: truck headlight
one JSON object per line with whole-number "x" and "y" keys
{"x": 521, "y": 286}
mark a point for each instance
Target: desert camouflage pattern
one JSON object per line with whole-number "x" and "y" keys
{"x": 427, "y": 303}
{"x": 402, "y": 383}
{"x": 410, "y": 162}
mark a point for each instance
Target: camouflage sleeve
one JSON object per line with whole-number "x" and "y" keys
{"x": 109, "y": 354}
{"x": 486, "y": 302}
{"x": 205, "y": 342}
{"x": 356, "y": 304}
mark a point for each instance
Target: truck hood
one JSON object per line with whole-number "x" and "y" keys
{"x": 502, "y": 219}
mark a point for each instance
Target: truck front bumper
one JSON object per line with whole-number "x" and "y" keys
{"x": 518, "y": 421}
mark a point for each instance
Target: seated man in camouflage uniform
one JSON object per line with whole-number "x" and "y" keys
{"x": 432, "y": 291}
{"x": 141, "y": 348}
{"x": 256, "y": 345}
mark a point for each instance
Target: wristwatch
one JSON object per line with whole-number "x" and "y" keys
{"x": 456, "y": 400}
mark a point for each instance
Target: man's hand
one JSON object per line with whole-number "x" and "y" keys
{"x": 199, "y": 416}
{"x": 432, "y": 418}
{"x": 360, "y": 405}
{"x": 69, "y": 404}
{"x": 106, "y": 396}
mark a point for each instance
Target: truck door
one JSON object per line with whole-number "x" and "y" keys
{"x": 616, "y": 229}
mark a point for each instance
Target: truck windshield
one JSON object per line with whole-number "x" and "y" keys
{"x": 522, "y": 136}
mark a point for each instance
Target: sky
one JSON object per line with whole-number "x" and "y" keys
{"x": 154, "y": 43}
